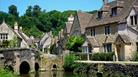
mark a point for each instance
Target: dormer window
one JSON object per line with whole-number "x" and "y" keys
{"x": 133, "y": 20}
{"x": 114, "y": 11}
{"x": 100, "y": 15}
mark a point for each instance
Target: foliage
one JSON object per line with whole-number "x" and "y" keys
{"x": 36, "y": 21}
{"x": 6, "y": 73}
{"x": 13, "y": 43}
{"x": 69, "y": 64}
{"x": 135, "y": 57}
{"x": 103, "y": 56}
{"x": 74, "y": 43}
{"x": 13, "y": 11}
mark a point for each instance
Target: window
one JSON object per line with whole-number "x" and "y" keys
{"x": 114, "y": 11}
{"x": 3, "y": 36}
{"x": 133, "y": 20}
{"x": 135, "y": 17}
{"x": 100, "y": 15}
{"x": 107, "y": 30}
{"x": 92, "y": 31}
{"x": 107, "y": 47}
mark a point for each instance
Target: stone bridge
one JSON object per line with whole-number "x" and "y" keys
{"x": 25, "y": 60}
{"x": 20, "y": 60}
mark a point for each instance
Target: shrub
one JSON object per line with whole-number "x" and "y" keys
{"x": 69, "y": 64}
{"x": 74, "y": 43}
{"x": 6, "y": 73}
{"x": 135, "y": 57}
{"x": 102, "y": 56}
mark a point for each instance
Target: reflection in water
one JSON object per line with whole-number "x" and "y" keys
{"x": 25, "y": 75}
{"x": 54, "y": 74}
{"x": 37, "y": 74}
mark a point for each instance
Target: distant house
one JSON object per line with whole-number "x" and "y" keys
{"x": 114, "y": 28}
{"x": 14, "y": 36}
{"x": 46, "y": 42}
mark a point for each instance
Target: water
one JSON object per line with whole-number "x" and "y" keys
{"x": 67, "y": 74}
{"x": 54, "y": 74}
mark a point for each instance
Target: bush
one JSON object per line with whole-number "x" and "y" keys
{"x": 102, "y": 56}
{"x": 74, "y": 43}
{"x": 135, "y": 57}
{"x": 6, "y": 73}
{"x": 69, "y": 64}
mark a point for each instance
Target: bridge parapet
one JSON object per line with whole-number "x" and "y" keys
{"x": 16, "y": 56}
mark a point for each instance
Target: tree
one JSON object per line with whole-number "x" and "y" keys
{"x": 45, "y": 22}
{"x": 29, "y": 11}
{"x": 74, "y": 43}
{"x": 3, "y": 16}
{"x": 36, "y": 10}
{"x": 13, "y": 11}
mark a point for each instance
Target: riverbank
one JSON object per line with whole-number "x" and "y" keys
{"x": 108, "y": 69}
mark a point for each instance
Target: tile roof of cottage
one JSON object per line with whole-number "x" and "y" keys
{"x": 84, "y": 19}
{"x": 123, "y": 37}
{"x": 125, "y": 7}
{"x": 93, "y": 41}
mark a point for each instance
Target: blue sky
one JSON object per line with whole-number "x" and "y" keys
{"x": 48, "y": 5}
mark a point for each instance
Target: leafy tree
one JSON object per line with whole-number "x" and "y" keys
{"x": 3, "y": 16}
{"x": 29, "y": 11}
{"x": 36, "y": 10}
{"x": 13, "y": 11}
{"x": 74, "y": 43}
{"x": 45, "y": 22}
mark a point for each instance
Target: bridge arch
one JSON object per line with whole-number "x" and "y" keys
{"x": 24, "y": 67}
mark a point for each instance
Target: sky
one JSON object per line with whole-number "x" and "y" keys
{"x": 48, "y": 5}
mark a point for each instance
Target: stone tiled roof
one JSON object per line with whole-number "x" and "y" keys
{"x": 124, "y": 38}
{"x": 125, "y": 7}
{"x": 84, "y": 19}
{"x": 93, "y": 41}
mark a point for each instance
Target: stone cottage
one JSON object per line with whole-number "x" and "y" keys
{"x": 114, "y": 28}
{"x": 15, "y": 35}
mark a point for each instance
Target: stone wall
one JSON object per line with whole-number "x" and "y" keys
{"x": 109, "y": 69}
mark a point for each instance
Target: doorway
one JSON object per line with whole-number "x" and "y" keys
{"x": 120, "y": 52}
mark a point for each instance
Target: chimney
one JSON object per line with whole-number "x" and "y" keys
{"x": 105, "y": 1}
{"x": 16, "y": 26}
{"x": 70, "y": 19}
{"x": 20, "y": 28}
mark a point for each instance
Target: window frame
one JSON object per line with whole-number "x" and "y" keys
{"x": 3, "y": 36}
{"x": 107, "y": 30}
{"x": 114, "y": 11}
{"x": 93, "y": 33}
{"x": 134, "y": 19}
{"x": 100, "y": 15}
{"x": 107, "y": 47}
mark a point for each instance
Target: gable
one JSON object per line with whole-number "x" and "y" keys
{"x": 4, "y": 28}
{"x": 132, "y": 13}
{"x": 75, "y": 29}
